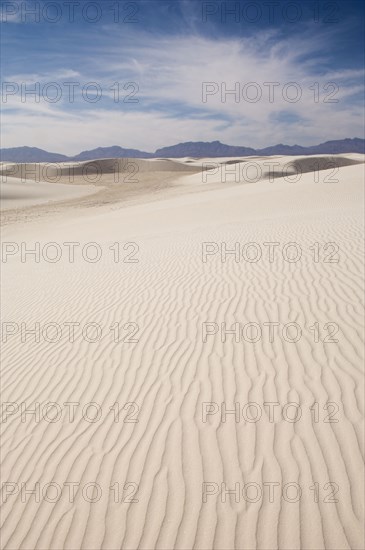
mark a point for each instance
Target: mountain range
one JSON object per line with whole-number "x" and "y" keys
{"x": 188, "y": 149}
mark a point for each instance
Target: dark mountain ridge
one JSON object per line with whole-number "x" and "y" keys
{"x": 196, "y": 149}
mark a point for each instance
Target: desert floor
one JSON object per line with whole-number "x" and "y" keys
{"x": 182, "y": 354}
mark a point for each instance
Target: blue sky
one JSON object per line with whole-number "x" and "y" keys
{"x": 149, "y": 73}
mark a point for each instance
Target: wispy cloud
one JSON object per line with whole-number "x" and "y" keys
{"x": 170, "y": 72}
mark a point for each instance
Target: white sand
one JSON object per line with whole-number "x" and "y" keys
{"x": 14, "y": 193}
{"x": 170, "y": 372}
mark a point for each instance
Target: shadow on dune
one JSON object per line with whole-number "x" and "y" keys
{"x": 10, "y": 196}
{"x": 94, "y": 170}
{"x": 97, "y": 168}
{"x": 310, "y": 164}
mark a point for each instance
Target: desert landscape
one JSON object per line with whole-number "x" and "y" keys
{"x": 182, "y": 349}
{"x": 182, "y": 275}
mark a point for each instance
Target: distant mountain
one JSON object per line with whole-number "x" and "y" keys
{"x": 204, "y": 149}
{"x": 281, "y": 149}
{"x": 30, "y": 154}
{"x": 113, "y": 152}
{"x": 188, "y": 149}
{"x": 217, "y": 149}
{"x": 354, "y": 145}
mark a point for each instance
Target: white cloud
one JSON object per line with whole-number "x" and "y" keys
{"x": 170, "y": 73}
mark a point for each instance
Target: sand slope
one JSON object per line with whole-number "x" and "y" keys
{"x": 16, "y": 194}
{"x": 170, "y": 373}
{"x": 86, "y": 183}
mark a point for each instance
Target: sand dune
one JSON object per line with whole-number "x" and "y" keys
{"x": 294, "y": 484}
{"x": 16, "y": 194}
{"x": 27, "y": 185}
{"x": 51, "y": 171}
